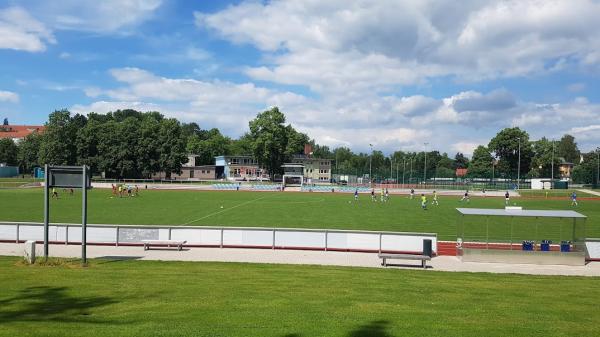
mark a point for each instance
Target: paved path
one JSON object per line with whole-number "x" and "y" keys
{"x": 441, "y": 263}
{"x": 590, "y": 192}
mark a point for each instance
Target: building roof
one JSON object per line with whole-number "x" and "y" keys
{"x": 521, "y": 213}
{"x": 461, "y": 172}
{"x": 19, "y": 131}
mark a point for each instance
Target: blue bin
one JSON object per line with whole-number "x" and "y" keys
{"x": 545, "y": 245}
{"x": 565, "y": 246}
{"x": 528, "y": 245}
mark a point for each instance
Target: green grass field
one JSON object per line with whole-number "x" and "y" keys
{"x": 153, "y": 298}
{"x": 269, "y": 209}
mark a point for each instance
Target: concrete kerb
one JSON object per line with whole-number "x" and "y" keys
{"x": 326, "y": 258}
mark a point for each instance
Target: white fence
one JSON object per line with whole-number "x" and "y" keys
{"x": 224, "y": 237}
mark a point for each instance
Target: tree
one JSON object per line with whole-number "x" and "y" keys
{"x": 241, "y": 146}
{"x": 567, "y": 149}
{"x": 460, "y": 161}
{"x": 28, "y": 152}
{"x": 481, "y": 164}
{"x": 506, "y": 147}
{"x": 171, "y": 147}
{"x": 541, "y": 163}
{"x": 587, "y": 171}
{"x": 295, "y": 142}
{"x": 58, "y": 140}
{"x": 8, "y": 152}
{"x": 208, "y": 146}
{"x": 5, "y": 121}
{"x": 269, "y": 137}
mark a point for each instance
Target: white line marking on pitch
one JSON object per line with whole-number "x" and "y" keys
{"x": 225, "y": 210}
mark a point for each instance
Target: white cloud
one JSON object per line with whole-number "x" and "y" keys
{"x": 20, "y": 31}
{"x": 8, "y": 96}
{"x": 467, "y": 148}
{"x": 107, "y": 16}
{"x": 341, "y": 46}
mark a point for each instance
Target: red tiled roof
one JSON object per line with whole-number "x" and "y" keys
{"x": 19, "y": 131}
{"x": 461, "y": 172}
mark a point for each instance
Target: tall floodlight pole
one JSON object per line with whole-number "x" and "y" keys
{"x": 397, "y": 172}
{"x": 411, "y": 162}
{"x": 425, "y": 165}
{"x": 552, "y": 174}
{"x": 391, "y": 168}
{"x": 403, "y": 172}
{"x": 519, "y": 165}
{"x": 370, "y": 166}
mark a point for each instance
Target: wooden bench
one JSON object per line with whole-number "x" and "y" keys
{"x": 423, "y": 258}
{"x": 162, "y": 243}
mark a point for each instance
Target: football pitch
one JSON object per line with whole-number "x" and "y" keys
{"x": 272, "y": 209}
{"x": 153, "y": 298}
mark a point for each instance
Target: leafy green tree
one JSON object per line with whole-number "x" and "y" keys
{"x": 481, "y": 164}
{"x": 58, "y": 140}
{"x": 269, "y": 135}
{"x": 506, "y": 147}
{"x": 28, "y": 152}
{"x": 295, "y": 142}
{"x": 567, "y": 149}
{"x": 587, "y": 171}
{"x": 241, "y": 146}
{"x": 171, "y": 147}
{"x": 208, "y": 145}
{"x": 541, "y": 163}
{"x": 147, "y": 147}
{"x": 8, "y": 152}
{"x": 460, "y": 161}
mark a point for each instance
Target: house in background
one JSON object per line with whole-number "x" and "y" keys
{"x": 18, "y": 132}
{"x": 239, "y": 168}
{"x": 461, "y": 172}
{"x": 565, "y": 169}
{"x": 191, "y": 171}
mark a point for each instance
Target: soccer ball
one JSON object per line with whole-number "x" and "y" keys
{"x": 221, "y": 206}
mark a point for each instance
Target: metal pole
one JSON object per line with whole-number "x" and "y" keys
{"x": 370, "y": 171}
{"x": 46, "y": 211}
{"x": 519, "y": 165}
{"x": 403, "y": 172}
{"x": 552, "y": 174}
{"x": 84, "y": 216}
{"x": 598, "y": 169}
{"x": 391, "y": 168}
{"x": 425, "y": 165}
{"x": 410, "y": 179}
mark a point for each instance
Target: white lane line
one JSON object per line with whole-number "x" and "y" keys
{"x": 225, "y": 210}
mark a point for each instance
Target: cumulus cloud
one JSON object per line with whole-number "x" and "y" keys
{"x": 352, "y": 45}
{"x": 8, "y": 96}
{"x": 20, "y": 31}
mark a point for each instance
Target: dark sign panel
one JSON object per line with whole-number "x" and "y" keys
{"x": 67, "y": 177}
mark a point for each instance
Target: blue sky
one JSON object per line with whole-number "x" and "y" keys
{"x": 396, "y": 74}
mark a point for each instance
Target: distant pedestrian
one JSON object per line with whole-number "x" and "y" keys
{"x": 356, "y": 194}
{"x": 54, "y": 193}
{"x": 423, "y": 201}
{"x": 387, "y": 195}
{"x": 574, "y": 199}
{"x": 506, "y": 198}
{"x": 412, "y": 193}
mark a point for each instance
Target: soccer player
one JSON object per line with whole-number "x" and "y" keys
{"x": 483, "y": 192}
{"x": 381, "y": 195}
{"x": 54, "y": 193}
{"x": 435, "y": 199}
{"x": 387, "y": 195}
{"x": 412, "y": 193}
{"x": 465, "y": 197}
{"x": 574, "y": 199}
{"x": 506, "y": 198}
{"x": 423, "y": 202}
{"x": 356, "y": 194}
{"x": 373, "y": 195}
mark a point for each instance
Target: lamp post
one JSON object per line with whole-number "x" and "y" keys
{"x": 598, "y": 168}
{"x": 410, "y": 178}
{"x": 425, "y": 165}
{"x": 519, "y": 164}
{"x": 370, "y": 167}
{"x": 552, "y": 166}
{"x": 403, "y": 171}
{"x": 391, "y": 168}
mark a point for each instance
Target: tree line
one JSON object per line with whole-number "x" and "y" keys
{"x": 133, "y": 144}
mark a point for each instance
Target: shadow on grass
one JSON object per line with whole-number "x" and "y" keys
{"x": 372, "y": 329}
{"x": 51, "y": 304}
{"x": 116, "y": 258}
